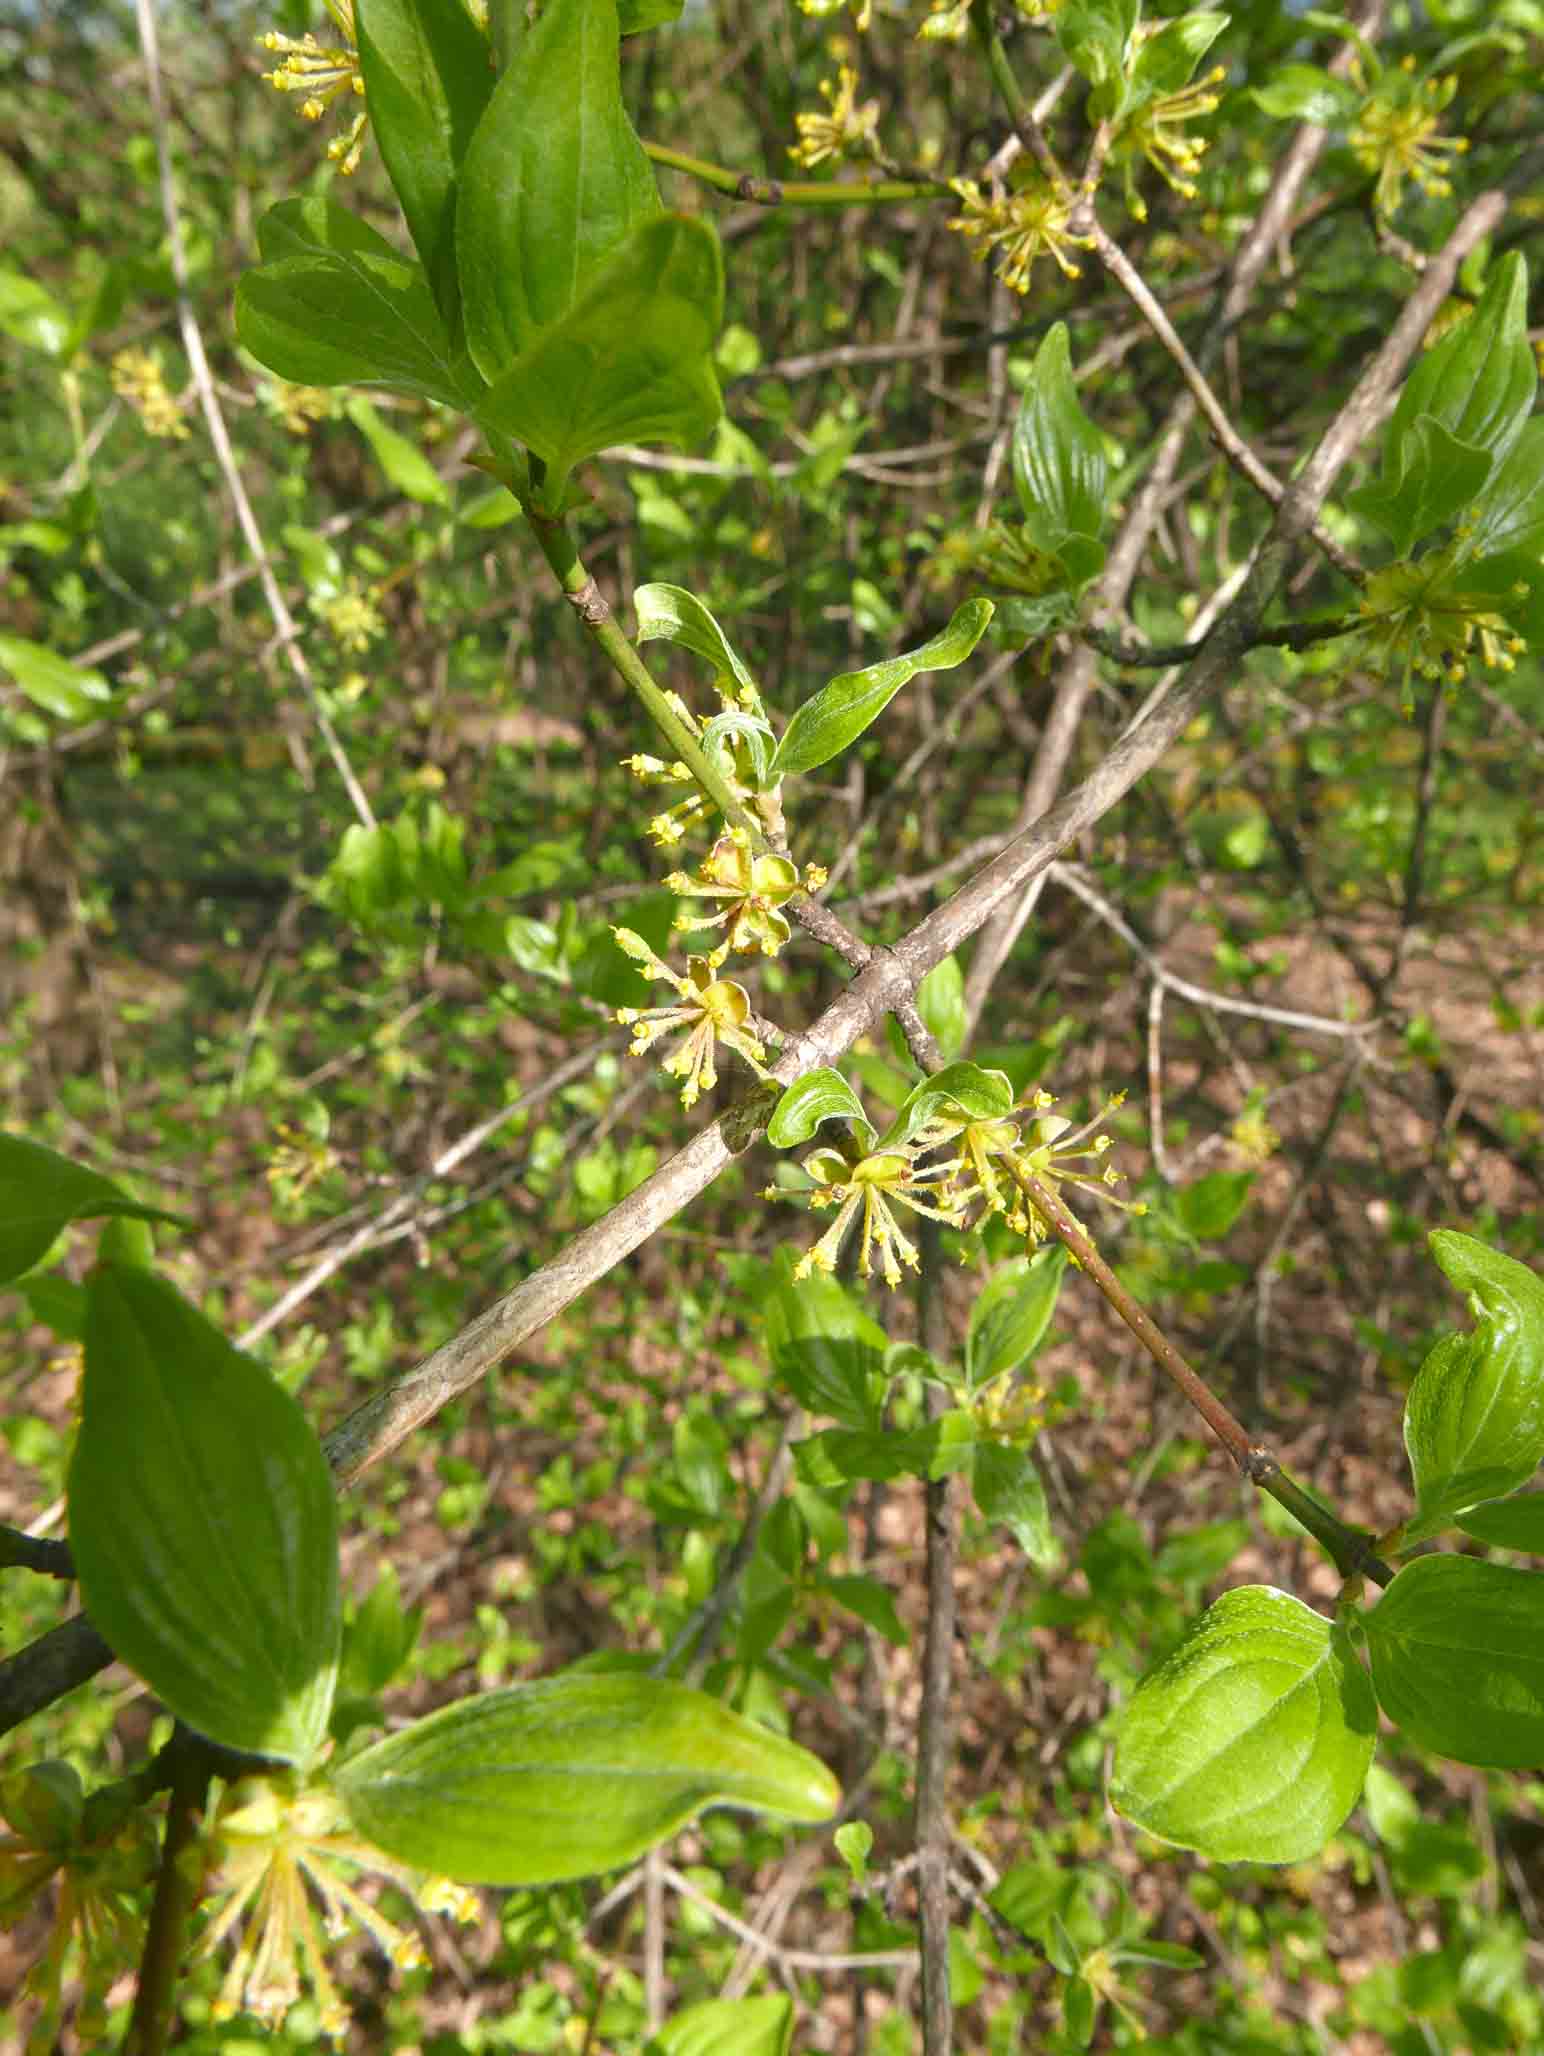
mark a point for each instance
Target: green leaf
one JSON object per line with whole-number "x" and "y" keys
{"x": 827, "y": 1350}
{"x": 1094, "y": 35}
{"x": 41, "y": 1193}
{"x": 554, "y": 180}
{"x": 203, "y": 1522}
{"x": 1011, "y": 1314}
{"x": 669, "y": 613}
{"x": 941, "y": 1003}
{"x": 1510, "y": 515}
{"x": 729, "y": 2027}
{"x": 1508, "y": 1523}
{"x": 1303, "y": 92}
{"x": 1250, "y": 1743}
{"x": 820, "y": 1095}
{"x": 30, "y": 315}
{"x": 633, "y": 16}
{"x": 960, "y": 1091}
{"x": 334, "y": 304}
{"x": 428, "y": 78}
{"x": 631, "y": 361}
{"x": 1167, "y": 60}
{"x": 52, "y": 682}
{"x": 574, "y": 1775}
{"x": 1457, "y": 1652}
{"x": 838, "y": 714}
{"x": 1479, "y": 381}
{"x": 871, "y": 1602}
{"x": 1443, "y": 475}
{"x": 1008, "y": 1488}
{"x": 1060, "y": 468}
{"x": 405, "y": 465}
{"x": 1474, "y": 1419}
{"x": 938, "y": 1449}
{"x": 854, "y": 1841}
{"x": 1208, "y": 1208}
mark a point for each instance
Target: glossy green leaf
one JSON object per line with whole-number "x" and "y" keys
{"x": 203, "y": 1522}
{"x": 820, "y": 1095}
{"x": 1457, "y": 1652}
{"x": 1250, "y": 1743}
{"x": 428, "y": 78}
{"x": 838, "y": 714}
{"x": 1516, "y": 1523}
{"x": 1060, "y": 467}
{"x": 52, "y": 682}
{"x": 941, "y": 1003}
{"x": 1474, "y": 1418}
{"x": 1510, "y": 514}
{"x": 568, "y": 1777}
{"x": 1442, "y": 476}
{"x": 1008, "y": 1488}
{"x": 1011, "y": 1314}
{"x": 1304, "y": 92}
{"x": 960, "y": 1091}
{"x": 29, "y": 314}
{"x": 405, "y": 465}
{"x": 334, "y": 304}
{"x": 632, "y": 359}
{"x": 826, "y": 1350}
{"x": 554, "y": 181}
{"x": 42, "y": 1192}
{"x": 1479, "y": 381}
{"x": 669, "y": 613}
{"x": 729, "y": 2027}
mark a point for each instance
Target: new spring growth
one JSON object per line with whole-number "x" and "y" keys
{"x": 845, "y": 128}
{"x": 868, "y": 1187}
{"x": 95, "y": 1856}
{"x": 1416, "y": 620}
{"x": 733, "y": 754}
{"x": 1153, "y": 132}
{"x": 752, "y": 888}
{"x": 323, "y": 73}
{"x": 276, "y": 1851}
{"x": 1395, "y": 132}
{"x": 710, "y": 1009}
{"x": 1027, "y": 221}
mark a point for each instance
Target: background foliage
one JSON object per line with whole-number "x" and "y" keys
{"x": 219, "y": 994}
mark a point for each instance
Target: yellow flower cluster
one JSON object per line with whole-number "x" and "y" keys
{"x": 1395, "y": 135}
{"x": 1024, "y": 223}
{"x": 323, "y": 73}
{"x": 844, "y": 128}
{"x": 138, "y": 378}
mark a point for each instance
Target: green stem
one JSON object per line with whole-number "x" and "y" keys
{"x": 868, "y": 191}
{"x": 585, "y": 597}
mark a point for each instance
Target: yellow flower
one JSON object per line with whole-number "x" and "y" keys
{"x": 275, "y": 1846}
{"x": 754, "y": 887}
{"x": 1153, "y": 133}
{"x": 711, "y": 1009}
{"x": 297, "y": 406}
{"x": 137, "y": 377}
{"x": 323, "y": 72}
{"x": 1026, "y": 222}
{"x": 847, "y": 127}
{"x": 1413, "y": 621}
{"x": 1395, "y": 135}
{"x": 983, "y": 1156}
{"x": 352, "y": 617}
{"x": 98, "y": 1854}
{"x": 869, "y": 1187}
{"x": 733, "y": 753}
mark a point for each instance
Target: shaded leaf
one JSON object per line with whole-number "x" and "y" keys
{"x": 1011, "y": 1314}
{"x": 203, "y": 1522}
{"x": 42, "y": 1192}
{"x": 1457, "y": 1652}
